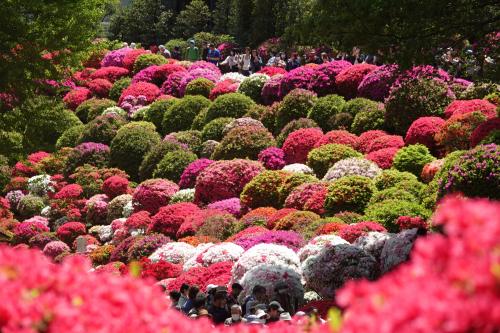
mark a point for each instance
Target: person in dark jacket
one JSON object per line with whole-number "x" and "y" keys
{"x": 218, "y": 310}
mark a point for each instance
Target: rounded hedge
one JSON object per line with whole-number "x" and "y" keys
{"x": 368, "y": 120}
{"x": 190, "y": 138}
{"x": 214, "y": 130}
{"x": 350, "y": 193}
{"x": 96, "y": 154}
{"x": 172, "y": 165}
{"x": 92, "y": 108}
{"x": 244, "y": 142}
{"x": 102, "y": 129}
{"x": 457, "y": 131}
{"x": 116, "y": 90}
{"x": 295, "y": 105}
{"x": 148, "y": 59}
{"x": 180, "y": 115}
{"x": 299, "y": 143}
{"x": 393, "y": 193}
{"x": 293, "y": 126}
{"x": 293, "y": 181}
{"x": 11, "y": 145}
{"x": 263, "y": 190}
{"x": 46, "y": 120}
{"x": 415, "y": 98}
{"x": 390, "y": 178}
{"x": 156, "y": 112}
{"x": 130, "y": 144}
{"x": 412, "y": 159}
{"x": 30, "y": 205}
{"x": 352, "y": 166}
{"x": 423, "y": 131}
{"x": 233, "y": 105}
{"x": 322, "y": 158}
{"x": 252, "y": 86}
{"x": 70, "y": 137}
{"x": 325, "y": 110}
{"x": 200, "y": 86}
{"x": 155, "y": 155}
{"x": 388, "y": 211}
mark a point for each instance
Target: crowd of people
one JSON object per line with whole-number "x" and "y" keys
{"x": 224, "y": 307}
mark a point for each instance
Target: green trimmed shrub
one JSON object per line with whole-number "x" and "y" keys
{"x": 92, "y": 108}
{"x": 154, "y": 156}
{"x": 244, "y": 142}
{"x": 102, "y": 129}
{"x": 215, "y": 128}
{"x": 130, "y": 144}
{"x": 389, "y": 178}
{"x": 295, "y": 105}
{"x": 263, "y": 190}
{"x": 325, "y": 110}
{"x": 479, "y": 90}
{"x": 11, "y": 145}
{"x": 268, "y": 118}
{"x": 412, "y": 159}
{"x": 199, "y": 86}
{"x": 368, "y": 120}
{"x": 116, "y": 90}
{"x": 412, "y": 186}
{"x": 252, "y": 86}
{"x": 293, "y": 126}
{"x": 297, "y": 221}
{"x": 172, "y": 165}
{"x": 360, "y": 104}
{"x": 387, "y": 212}
{"x": 292, "y": 182}
{"x": 406, "y": 104}
{"x": 30, "y": 205}
{"x": 190, "y": 138}
{"x": 218, "y": 226}
{"x": 156, "y": 112}
{"x": 322, "y": 158}
{"x": 233, "y": 105}
{"x": 148, "y": 59}
{"x": 45, "y": 120}
{"x": 256, "y": 112}
{"x": 351, "y": 193}
{"x": 200, "y": 120}
{"x": 393, "y": 193}
{"x": 70, "y": 137}
{"x": 180, "y": 115}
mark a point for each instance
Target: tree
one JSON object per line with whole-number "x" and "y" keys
{"x": 195, "y": 18}
{"x": 39, "y": 38}
{"x": 241, "y": 22}
{"x": 403, "y": 30}
{"x": 263, "y": 21}
{"x": 143, "y": 21}
{"x": 222, "y": 16}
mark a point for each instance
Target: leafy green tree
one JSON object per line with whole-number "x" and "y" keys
{"x": 241, "y": 20}
{"x": 222, "y": 16}
{"x": 405, "y": 30}
{"x": 39, "y": 38}
{"x": 143, "y": 21}
{"x": 195, "y": 18}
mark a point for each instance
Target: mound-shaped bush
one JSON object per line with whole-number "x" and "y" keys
{"x": 180, "y": 115}
{"x": 406, "y": 103}
{"x": 353, "y": 166}
{"x": 293, "y": 126}
{"x": 244, "y": 142}
{"x": 383, "y": 157}
{"x": 271, "y": 91}
{"x": 70, "y": 137}
{"x": 325, "y": 111}
{"x": 272, "y": 158}
{"x": 148, "y": 90}
{"x": 298, "y": 78}
{"x": 299, "y": 143}
{"x": 376, "y": 84}
{"x": 214, "y": 130}
{"x": 233, "y": 105}
{"x": 322, "y": 158}
{"x": 369, "y": 120}
{"x": 423, "y": 131}
{"x": 338, "y": 137}
{"x": 200, "y": 86}
{"x": 412, "y": 159}
{"x": 110, "y": 73}
{"x": 295, "y": 105}
{"x": 252, "y": 86}
{"x": 385, "y": 141}
{"x": 263, "y": 190}
{"x": 96, "y": 154}
{"x": 387, "y": 212}
{"x": 390, "y": 178}
{"x": 169, "y": 218}
{"x": 152, "y": 194}
{"x": 475, "y": 105}
{"x": 172, "y": 165}
{"x": 118, "y": 87}
{"x": 489, "y": 128}
{"x": 323, "y": 78}
{"x": 191, "y": 172}
{"x": 155, "y": 155}
{"x": 147, "y": 59}
{"x": 130, "y": 144}
{"x": 102, "y": 129}
{"x": 348, "y": 80}
{"x": 157, "y": 110}
{"x": 350, "y": 193}
{"x": 456, "y": 131}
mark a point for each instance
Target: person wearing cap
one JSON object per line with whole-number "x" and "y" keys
{"x": 192, "y": 52}
{"x": 260, "y": 317}
{"x": 236, "y": 290}
{"x": 203, "y": 313}
{"x": 236, "y": 316}
{"x": 218, "y": 309}
{"x": 258, "y": 294}
{"x": 275, "y": 310}
{"x": 282, "y": 295}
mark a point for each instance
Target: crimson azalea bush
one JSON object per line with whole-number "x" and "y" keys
{"x": 148, "y": 90}
{"x": 341, "y": 137}
{"x": 292, "y": 127}
{"x": 456, "y": 131}
{"x": 383, "y": 157}
{"x": 100, "y": 87}
{"x": 484, "y": 130}
{"x": 299, "y": 143}
{"x": 153, "y": 194}
{"x": 423, "y": 131}
{"x": 169, "y": 219}
{"x": 385, "y": 141}
{"x": 272, "y": 158}
{"x": 348, "y": 80}
{"x": 474, "y": 105}
{"x": 110, "y": 73}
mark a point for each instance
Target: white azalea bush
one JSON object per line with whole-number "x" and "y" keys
{"x": 353, "y": 166}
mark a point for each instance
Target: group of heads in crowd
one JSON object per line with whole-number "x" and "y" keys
{"x": 228, "y": 307}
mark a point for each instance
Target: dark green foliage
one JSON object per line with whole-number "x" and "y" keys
{"x": 229, "y": 105}
{"x": 214, "y": 129}
{"x": 179, "y": 116}
{"x": 325, "y": 110}
{"x": 173, "y": 164}
{"x": 154, "y": 156}
{"x": 322, "y": 158}
{"x": 295, "y": 105}
{"x": 118, "y": 87}
{"x": 244, "y": 142}
{"x": 350, "y": 193}
{"x": 200, "y": 86}
{"x": 92, "y": 108}
{"x": 156, "y": 111}
{"x": 102, "y": 129}
{"x": 70, "y": 137}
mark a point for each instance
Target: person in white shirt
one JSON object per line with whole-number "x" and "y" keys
{"x": 231, "y": 62}
{"x": 246, "y": 62}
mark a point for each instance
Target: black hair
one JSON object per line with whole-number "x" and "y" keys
{"x": 175, "y": 295}
{"x": 184, "y": 287}
{"x": 236, "y": 286}
{"x": 193, "y": 291}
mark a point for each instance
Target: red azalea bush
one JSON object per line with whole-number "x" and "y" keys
{"x": 254, "y": 230}
{"x": 272, "y": 71}
{"x": 271, "y": 91}
{"x": 83, "y": 76}
{"x": 100, "y": 87}
{"x": 76, "y": 96}
{"x": 271, "y": 221}
{"x": 169, "y": 219}
{"x": 302, "y": 194}
{"x": 457, "y": 131}
{"x": 348, "y": 80}
{"x": 5, "y": 212}
{"x": 218, "y": 274}
{"x": 111, "y": 73}
{"x": 225, "y": 179}
{"x": 131, "y": 56}
{"x": 409, "y": 222}
{"x": 25, "y": 230}
{"x": 144, "y": 246}
{"x": 222, "y": 88}
{"x": 157, "y": 74}
{"x": 69, "y": 231}
{"x": 152, "y": 194}
{"x": 462, "y": 107}
{"x": 340, "y": 137}
{"x": 385, "y": 141}
{"x": 299, "y": 143}
{"x": 159, "y": 270}
{"x": 191, "y": 172}
{"x": 297, "y": 78}
{"x": 148, "y": 90}
{"x": 115, "y": 186}
{"x": 423, "y": 131}
{"x": 259, "y": 215}
{"x": 323, "y": 78}
{"x": 140, "y": 220}
{"x": 365, "y": 139}
{"x": 194, "y": 221}
{"x": 383, "y": 157}
{"x": 483, "y": 130}
{"x": 351, "y": 232}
